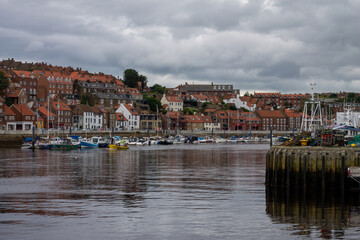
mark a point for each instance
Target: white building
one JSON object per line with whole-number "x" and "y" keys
{"x": 130, "y": 115}
{"x": 172, "y": 103}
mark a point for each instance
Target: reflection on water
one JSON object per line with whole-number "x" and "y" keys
{"x": 160, "y": 192}
{"x": 323, "y": 214}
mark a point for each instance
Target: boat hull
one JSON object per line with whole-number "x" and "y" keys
{"x": 63, "y": 147}
{"x": 116, "y": 147}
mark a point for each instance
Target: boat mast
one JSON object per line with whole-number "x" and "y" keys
{"x": 48, "y": 116}
{"x": 315, "y": 120}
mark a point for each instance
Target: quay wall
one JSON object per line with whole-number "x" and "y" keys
{"x": 311, "y": 167}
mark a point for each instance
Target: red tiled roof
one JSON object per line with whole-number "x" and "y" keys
{"x": 26, "y": 74}
{"x": 8, "y": 111}
{"x": 174, "y": 98}
{"x": 120, "y": 117}
{"x": 58, "y": 105}
{"x": 292, "y": 113}
{"x": 173, "y": 114}
{"x": 15, "y": 92}
{"x": 222, "y": 114}
{"x": 101, "y": 108}
{"x": 207, "y": 119}
{"x": 276, "y": 94}
{"x": 23, "y": 109}
{"x": 43, "y": 110}
{"x": 193, "y": 118}
{"x": 271, "y": 113}
{"x": 245, "y": 98}
{"x": 131, "y": 109}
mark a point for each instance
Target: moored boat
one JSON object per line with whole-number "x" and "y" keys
{"x": 122, "y": 145}
{"x": 63, "y": 144}
{"x": 90, "y": 143}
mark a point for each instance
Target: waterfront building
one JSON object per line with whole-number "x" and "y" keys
{"x": 25, "y": 118}
{"x": 172, "y": 120}
{"x": 121, "y": 122}
{"x": 131, "y": 115}
{"x": 150, "y": 122}
{"x": 274, "y": 119}
{"x": 47, "y": 116}
{"x": 105, "y": 117}
{"x": 293, "y": 119}
{"x": 62, "y": 114}
{"x": 193, "y": 122}
{"x": 86, "y": 117}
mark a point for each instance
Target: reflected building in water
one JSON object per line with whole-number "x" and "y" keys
{"x": 319, "y": 214}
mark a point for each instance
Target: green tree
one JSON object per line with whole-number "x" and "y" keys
{"x": 4, "y": 81}
{"x": 232, "y": 107}
{"x": 333, "y": 95}
{"x": 189, "y": 111}
{"x": 158, "y": 88}
{"x": 143, "y": 80}
{"x": 132, "y": 78}
{"x": 357, "y": 99}
{"x": 153, "y": 102}
{"x": 204, "y": 106}
{"x": 246, "y": 94}
{"x": 84, "y": 99}
{"x": 350, "y": 97}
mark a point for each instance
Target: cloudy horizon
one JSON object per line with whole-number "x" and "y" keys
{"x": 260, "y": 45}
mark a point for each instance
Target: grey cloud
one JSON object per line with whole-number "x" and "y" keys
{"x": 264, "y": 45}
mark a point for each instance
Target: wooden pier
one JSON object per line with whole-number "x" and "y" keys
{"x": 311, "y": 167}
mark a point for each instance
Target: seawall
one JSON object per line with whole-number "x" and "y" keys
{"x": 311, "y": 167}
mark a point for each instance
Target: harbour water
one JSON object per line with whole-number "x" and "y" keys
{"x": 210, "y": 191}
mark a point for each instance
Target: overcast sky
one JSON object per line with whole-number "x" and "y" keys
{"x": 260, "y": 45}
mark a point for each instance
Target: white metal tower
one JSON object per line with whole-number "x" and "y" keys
{"x": 313, "y": 121}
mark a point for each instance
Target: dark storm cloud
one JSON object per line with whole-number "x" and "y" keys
{"x": 255, "y": 44}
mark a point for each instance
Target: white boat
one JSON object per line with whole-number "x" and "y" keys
{"x": 220, "y": 140}
{"x": 90, "y": 143}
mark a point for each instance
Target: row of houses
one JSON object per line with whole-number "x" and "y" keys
{"x": 56, "y": 114}
{"x": 287, "y": 120}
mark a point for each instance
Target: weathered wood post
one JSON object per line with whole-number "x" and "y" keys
{"x": 342, "y": 170}
{"x": 33, "y": 136}
{"x": 304, "y": 170}
{"x": 323, "y": 170}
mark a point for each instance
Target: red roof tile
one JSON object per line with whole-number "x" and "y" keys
{"x": 23, "y": 109}
{"x": 45, "y": 112}
{"x": 271, "y": 114}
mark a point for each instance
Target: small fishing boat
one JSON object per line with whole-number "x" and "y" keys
{"x": 90, "y": 143}
{"x": 63, "y": 144}
{"x": 27, "y": 144}
{"x": 103, "y": 142}
{"x": 122, "y": 145}
{"x": 76, "y": 140}
{"x": 43, "y": 143}
{"x": 165, "y": 141}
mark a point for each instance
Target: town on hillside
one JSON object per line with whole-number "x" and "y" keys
{"x": 53, "y": 97}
